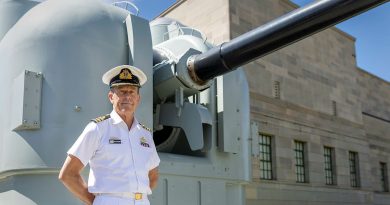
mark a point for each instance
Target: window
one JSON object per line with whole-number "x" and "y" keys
{"x": 334, "y": 108}
{"x": 277, "y": 89}
{"x": 353, "y": 169}
{"x": 384, "y": 177}
{"x": 265, "y": 157}
{"x": 300, "y": 161}
{"x": 329, "y": 166}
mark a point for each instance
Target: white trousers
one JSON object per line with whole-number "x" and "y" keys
{"x": 113, "y": 200}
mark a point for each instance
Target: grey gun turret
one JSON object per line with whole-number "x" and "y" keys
{"x": 196, "y": 64}
{"x": 53, "y": 54}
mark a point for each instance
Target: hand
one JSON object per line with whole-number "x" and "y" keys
{"x": 90, "y": 199}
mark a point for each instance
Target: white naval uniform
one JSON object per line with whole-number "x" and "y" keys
{"x": 119, "y": 159}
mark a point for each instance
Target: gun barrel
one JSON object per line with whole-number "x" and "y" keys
{"x": 275, "y": 35}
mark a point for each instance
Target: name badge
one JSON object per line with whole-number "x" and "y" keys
{"x": 115, "y": 141}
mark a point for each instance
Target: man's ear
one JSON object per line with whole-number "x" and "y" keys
{"x": 109, "y": 95}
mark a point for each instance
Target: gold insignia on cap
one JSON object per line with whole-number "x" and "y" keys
{"x": 125, "y": 75}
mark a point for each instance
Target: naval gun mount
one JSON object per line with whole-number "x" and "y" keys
{"x": 185, "y": 66}
{"x": 199, "y": 104}
{"x": 180, "y": 114}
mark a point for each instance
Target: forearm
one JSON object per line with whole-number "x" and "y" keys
{"x": 153, "y": 184}
{"x": 79, "y": 188}
{"x": 153, "y": 178}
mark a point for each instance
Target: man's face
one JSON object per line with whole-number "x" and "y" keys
{"x": 125, "y": 99}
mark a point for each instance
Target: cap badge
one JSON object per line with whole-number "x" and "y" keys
{"x": 144, "y": 142}
{"x": 125, "y": 75}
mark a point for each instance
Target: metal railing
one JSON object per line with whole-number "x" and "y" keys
{"x": 127, "y": 5}
{"x": 184, "y": 31}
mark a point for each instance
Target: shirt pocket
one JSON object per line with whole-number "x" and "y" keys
{"x": 114, "y": 151}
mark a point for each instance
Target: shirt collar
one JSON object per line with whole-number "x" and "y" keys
{"x": 116, "y": 119}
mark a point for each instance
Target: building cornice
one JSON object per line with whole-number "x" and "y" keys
{"x": 373, "y": 76}
{"x": 169, "y": 9}
{"x": 287, "y": 2}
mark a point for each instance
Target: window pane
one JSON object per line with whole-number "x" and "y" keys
{"x": 265, "y": 157}
{"x": 299, "y": 161}
{"x": 329, "y": 171}
{"x": 353, "y": 169}
{"x": 384, "y": 177}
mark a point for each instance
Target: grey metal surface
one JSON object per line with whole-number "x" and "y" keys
{"x": 176, "y": 51}
{"x": 141, "y": 55}
{"x": 11, "y": 11}
{"x": 72, "y": 43}
{"x": 26, "y": 101}
{"x": 192, "y": 118}
{"x": 172, "y": 73}
{"x": 35, "y": 189}
{"x": 72, "y": 52}
{"x": 72, "y": 61}
{"x": 163, "y": 29}
{"x": 233, "y": 106}
{"x": 216, "y": 177}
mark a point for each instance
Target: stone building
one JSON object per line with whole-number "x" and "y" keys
{"x": 324, "y": 123}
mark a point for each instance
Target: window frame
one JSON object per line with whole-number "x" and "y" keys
{"x": 300, "y": 161}
{"x": 354, "y": 175}
{"x": 266, "y": 164}
{"x": 384, "y": 176}
{"x": 329, "y": 166}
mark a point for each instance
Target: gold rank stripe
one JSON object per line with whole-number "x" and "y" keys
{"x": 101, "y": 118}
{"x": 146, "y": 128}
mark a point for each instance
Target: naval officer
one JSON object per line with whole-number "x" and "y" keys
{"x": 120, "y": 151}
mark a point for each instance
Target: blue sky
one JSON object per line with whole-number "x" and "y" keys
{"x": 371, "y": 30}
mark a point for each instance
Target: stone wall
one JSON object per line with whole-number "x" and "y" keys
{"x": 374, "y": 94}
{"x": 313, "y": 73}
{"x": 320, "y": 101}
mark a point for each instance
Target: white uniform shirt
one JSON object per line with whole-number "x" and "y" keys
{"x": 119, "y": 159}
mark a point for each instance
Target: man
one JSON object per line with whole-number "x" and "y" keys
{"x": 120, "y": 151}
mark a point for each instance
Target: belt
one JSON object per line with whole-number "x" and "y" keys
{"x": 136, "y": 196}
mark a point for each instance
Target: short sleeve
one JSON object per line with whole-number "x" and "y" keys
{"x": 87, "y": 143}
{"x": 155, "y": 159}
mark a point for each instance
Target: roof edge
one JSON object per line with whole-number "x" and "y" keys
{"x": 372, "y": 75}
{"x": 169, "y": 9}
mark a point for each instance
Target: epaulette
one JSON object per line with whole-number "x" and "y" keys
{"x": 101, "y": 118}
{"x": 146, "y": 128}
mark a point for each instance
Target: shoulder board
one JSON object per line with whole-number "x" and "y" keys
{"x": 101, "y": 118}
{"x": 146, "y": 128}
